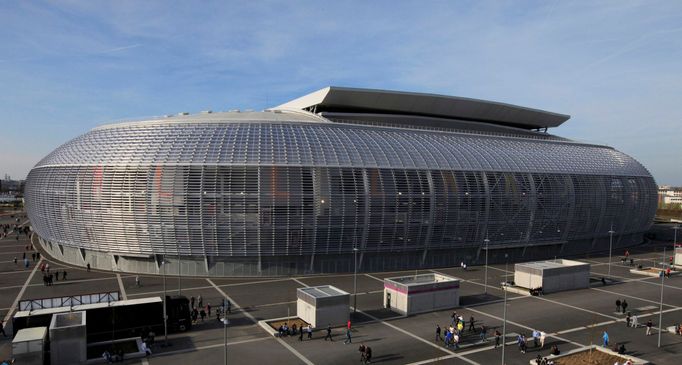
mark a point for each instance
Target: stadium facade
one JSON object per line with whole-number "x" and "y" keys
{"x": 389, "y": 180}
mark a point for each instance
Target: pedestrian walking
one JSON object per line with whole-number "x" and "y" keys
{"x": 617, "y": 305}
{"x": 497, "y": 338}
{"x": 191, "y": 301}
{"x": 26, "y": 264}
{"x": 368, "y": 354}
{"x": 310, "y": 332}
{"x": 482, "y": 334}
{"x": 200, "y": 301}
{"x": 605, "y": 339}
{"x": 624, "y": 305}
{"x": 145, "y": 348}
{"x": 543, "y": 336}
{"x": 628, "y": 319}
{"x": 521, "y": 342}
{"x": 349, "y": 338}
{"x": 88, "y": 266}
{"x": 137, "y": 281}
{"x": 438, "y": 338}
{"x": 536, "y": 337}
{"x": 64, "y": 275}
{"x": 362, "y": 349}
{"x": 635, "y": 321}
{"x": 300, "y": 337}
{"x": 33, "y": 256}
{"x": 471, "y": 324}
{"x": 15, "y": 260}
{"x": 649, "y": 325}
{"x": 208, "y": 308}
{"x": 329, "y": 333}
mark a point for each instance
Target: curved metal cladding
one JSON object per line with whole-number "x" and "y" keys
{"x": 258, "y": 195}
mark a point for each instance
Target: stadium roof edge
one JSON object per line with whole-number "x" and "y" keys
{"x": 354, "y": 100}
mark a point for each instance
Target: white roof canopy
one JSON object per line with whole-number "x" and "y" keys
{"x": 340, "y": 99}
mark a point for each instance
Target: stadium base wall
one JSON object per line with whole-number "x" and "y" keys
{"x": 334, "y": 263}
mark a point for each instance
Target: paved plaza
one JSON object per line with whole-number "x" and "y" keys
{"x": 571, "y": 319}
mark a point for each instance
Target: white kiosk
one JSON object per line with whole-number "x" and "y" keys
{"x": 552, "y": 275}
{"x": 68, "y": 338}
{"x": 421, "y": 293}
{"x": 28, "y": 346}
{"x": 323, "y": 305}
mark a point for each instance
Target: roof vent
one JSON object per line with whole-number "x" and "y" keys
{"x": 206, "y": 111}
{"x": 183, "y": 113}
{"x": 233, "y": 110}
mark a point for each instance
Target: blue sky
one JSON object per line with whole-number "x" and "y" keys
{"x": 68, "y": 66}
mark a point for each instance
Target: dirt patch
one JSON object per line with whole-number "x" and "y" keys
{"x": 290, "y": 322}
{"x": 595, "y": 357}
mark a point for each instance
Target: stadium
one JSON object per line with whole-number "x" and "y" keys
{"x": 337, "y": 179}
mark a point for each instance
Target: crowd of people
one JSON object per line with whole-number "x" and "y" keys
{"x": 454, "y": 334}
{"x": 16, "y": 229}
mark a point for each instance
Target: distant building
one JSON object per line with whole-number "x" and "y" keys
{"x": 390, "y": 180}
{"x": 669, "y": 196}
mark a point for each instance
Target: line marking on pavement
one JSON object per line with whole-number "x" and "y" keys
{"x": 63, "y": 282}
{"x": 255, "y": 282}
{"x": 541, "y": 298}
{"x": 498, "y": 269}
{"x": 21, "y": 292}
{"x": 300, "y": 282}
{"x": 448, "y": 351}
{"x": 293, "y": 351}
{"x": 374, "y": 277}
{"x": 175, "y": 352}
{"x": 644, "y": 280}
{"x": 428, "y": 361}
{"x": 161, "y": 291}
{"x": 120, "y": 285}
{"x": 522, "y": 326}
{"x": 255, "y": 321}
{"x": 633, "y": 297}
{"x": 15, "y": 272}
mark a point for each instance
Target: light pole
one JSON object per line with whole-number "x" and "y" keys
{"x": 165, "y": 315}
{"x": 504, "y": 315}
{"x": 225, "y": 322}
{"x": 611, "y": 232}
{"x": 676, "y": 228}
{"x": 485, "y": 285}
{"x": 179, "y": 274}
{"x": 355, "y": 279}
{"x": 660, "y": 304}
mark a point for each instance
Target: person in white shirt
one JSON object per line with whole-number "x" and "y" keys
{"x": 145, "y": 349}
